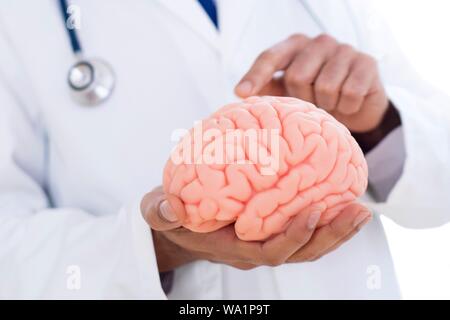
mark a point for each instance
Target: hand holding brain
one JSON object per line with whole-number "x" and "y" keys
{"x": 260, "y": 162}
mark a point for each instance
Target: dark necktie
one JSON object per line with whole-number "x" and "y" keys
{"x": 210, "y": 8}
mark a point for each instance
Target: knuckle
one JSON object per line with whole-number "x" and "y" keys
{"x": 345, "y": 49}
{"x": 368, "y": 60}
{"x": 297, "y": 37}
{"x": 148, "y": 200}
{"x": 267, "y": 56}
{"x": 314, "y": 258}
{"x": 326, "y": 87}
{"x": 246, "y": 268}
{"x": 353, "y": 91}
{"x": 156, "y": 224}
{"x": 272, "y": 261}
{"x": 264, "y": 69}
{"x": 298, "y": 257}
{"x": 297, "y": 79}
{"x": 243, "y": 267}
{"x": 305, "y": 256}
{"x": 325, "y": 39}
{"x": 158, "y": 189}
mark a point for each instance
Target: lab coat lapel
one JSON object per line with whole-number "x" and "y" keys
{"x": 194, "y": 17}
{"x": 234, "y": 16}
{"x": 331, "y": 16}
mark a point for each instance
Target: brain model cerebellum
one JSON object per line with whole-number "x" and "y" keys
{"x": 260, "y": 162}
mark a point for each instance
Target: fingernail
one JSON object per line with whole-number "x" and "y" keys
{"x": 166, "y": 211}
{"x": 313, "y": 220}
{"x": 360, "y": 220}
{"x": 244, "y": 88}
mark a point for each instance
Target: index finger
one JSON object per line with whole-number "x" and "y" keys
{"x": 328, "y": 236}
{"x": 278, "y": 249}
{"x": 270, "y": 61}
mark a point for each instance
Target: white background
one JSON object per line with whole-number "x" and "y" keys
{"x": 422, "y": 257}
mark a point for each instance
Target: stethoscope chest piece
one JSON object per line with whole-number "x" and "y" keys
{"x": 91, "y": 81}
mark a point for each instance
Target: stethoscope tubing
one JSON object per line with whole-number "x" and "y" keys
{"x": 71, "y": 31}
{"x": 108, "y": 78}
{"x": 101, "y": 76}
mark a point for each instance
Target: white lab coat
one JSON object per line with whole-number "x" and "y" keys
{"x": 71, "y": 178}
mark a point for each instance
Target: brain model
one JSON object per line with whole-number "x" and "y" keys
{"x": 260, "y": 162}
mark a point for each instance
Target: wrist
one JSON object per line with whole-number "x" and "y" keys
{"x": 169, "y": 255}
{"x": 370, "y": 139}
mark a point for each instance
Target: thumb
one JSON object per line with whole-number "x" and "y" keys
{"x": 162, "y": 212}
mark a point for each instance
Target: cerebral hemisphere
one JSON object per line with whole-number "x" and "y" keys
{"x": 260, "y": 162}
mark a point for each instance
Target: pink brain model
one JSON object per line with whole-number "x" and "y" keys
{"x": 260, "y": 162}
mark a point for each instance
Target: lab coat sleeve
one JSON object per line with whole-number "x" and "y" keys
{"x": 420, "y": 198}
{"x": 61, "y": 252}
{"x": 382, "y": 178}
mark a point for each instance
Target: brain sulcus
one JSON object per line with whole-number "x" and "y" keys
{"x": 260, "y": 162}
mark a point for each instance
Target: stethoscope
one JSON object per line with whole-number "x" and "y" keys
{"x": 92, "y": 81}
